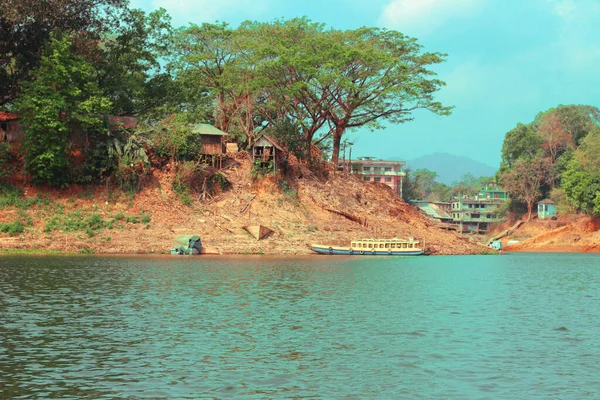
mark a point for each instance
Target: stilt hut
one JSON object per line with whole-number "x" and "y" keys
{"x": 267, "y": 152}
{"x": 213, "y": 142}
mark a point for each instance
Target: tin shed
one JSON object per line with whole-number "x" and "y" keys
{"x": 546, "y": 209}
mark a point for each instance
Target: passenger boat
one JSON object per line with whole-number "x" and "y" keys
{"x": 374, "y": 247}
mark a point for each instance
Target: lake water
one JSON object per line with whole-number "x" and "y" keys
{"x": 477, "y": 327}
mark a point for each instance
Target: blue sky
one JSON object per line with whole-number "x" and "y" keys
{"x": 507, "y": 61}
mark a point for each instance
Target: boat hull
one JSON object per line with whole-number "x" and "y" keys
{"x": 335, "y": 250}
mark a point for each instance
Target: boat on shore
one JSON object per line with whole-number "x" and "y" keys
{"x": 374, "y": 247}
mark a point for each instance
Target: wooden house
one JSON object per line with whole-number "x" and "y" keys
{"x": 267, "y": 152}
{"x": 213, "y": 139}
{"x": 10, "y": 129}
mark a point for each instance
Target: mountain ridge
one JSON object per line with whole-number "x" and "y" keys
{"x": 451, "y": 168}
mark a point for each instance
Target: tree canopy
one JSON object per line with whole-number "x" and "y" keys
{"x": 558, "y": 153}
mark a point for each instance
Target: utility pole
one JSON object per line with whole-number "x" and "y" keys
{"x": 350, "y": 161}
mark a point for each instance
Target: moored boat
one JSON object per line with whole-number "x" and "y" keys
{"x": 374, "y": 247}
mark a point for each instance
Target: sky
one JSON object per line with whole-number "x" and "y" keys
{"x": 507, "y": 60}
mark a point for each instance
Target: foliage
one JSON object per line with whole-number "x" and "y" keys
{"x": 260, "y": 170}
{"x": 195, "y": 178}
{"x": 63, "y": 95}
{"x": 568, "y": 138}
{"x": 12, "y": 196}
{"x": 12, "y": 228}
{"x": 6, "y": 158}
{"x": 130, "y": 158}
{"x": 582, "y": 187}
{"x": 128, "y": 62}
{"x": 297, "y": 72}
{"x": 521, "y": 142}
{"x": 174, "y": 139}
{"x": 286, "y": 189}
{"x": 90, "y": 223}
{"x": 524, "y": 180}
{"x": 26, "y": 25}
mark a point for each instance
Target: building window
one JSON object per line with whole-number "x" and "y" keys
{"x": 367, "y": 178}
{"x": 387, "y": 169}
{"x": 366, "y": 168}
{"x": 475, "y": 215}
{"x": 488, "y": 216}
{"x": 377, "y": 179}
{"x": 388, "y": 178}
{"x": 376, "y": 168}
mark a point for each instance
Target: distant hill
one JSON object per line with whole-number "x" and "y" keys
{"x": 451, "y": 168}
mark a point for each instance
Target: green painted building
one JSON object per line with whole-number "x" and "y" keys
{"x": 475, "y": 214}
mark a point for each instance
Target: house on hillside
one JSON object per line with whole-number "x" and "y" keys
{"x": 10, "y": 129}
{"x": 374, "y": 170}
{"x": 213, "y": 139}
{"x": 546, "y": 209}
{"x": 266, "y": 151}
{"x": 473, "y": 215}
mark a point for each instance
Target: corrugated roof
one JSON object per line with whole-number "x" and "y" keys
{"x": 546, "y": 201}
{"x": 8, "y": 116}
{"x": 206, "y": 129}
{"x": 271, "y": 140}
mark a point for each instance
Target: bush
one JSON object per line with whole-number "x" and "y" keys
{"x": 287, "y": 190}
{"x": 6, "y": 157}
{"x": 12, "y": 228}
{"x": 175, "y": 139}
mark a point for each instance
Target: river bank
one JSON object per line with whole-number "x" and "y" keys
{"x": 301, "y": 207}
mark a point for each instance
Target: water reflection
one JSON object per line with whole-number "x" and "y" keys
{"x": 438, "y": 327}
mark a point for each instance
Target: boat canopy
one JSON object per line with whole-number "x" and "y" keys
{"x": 190, "y": 241}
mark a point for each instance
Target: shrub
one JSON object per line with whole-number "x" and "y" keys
{"x": 12, "y": 228}
{"x": 5, "y": 160}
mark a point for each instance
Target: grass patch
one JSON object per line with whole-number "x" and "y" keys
{"x": 11, "y": 196}
{"x": 12, "y": 228}
{"x": 31, "y": 251}
{"x": 90, "y": 224}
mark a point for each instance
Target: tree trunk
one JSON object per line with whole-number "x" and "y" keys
{"x": 335, "y": 154}
{"x": 529, "y": 203}
{"x": 337, "y": 139}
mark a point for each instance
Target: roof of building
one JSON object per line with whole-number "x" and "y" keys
{"x": 270, "y": 140}
{"x": 207, "y": 129}
{"x": 8, "y": 116}
{"x": 122, "y": 122}
{"x": 432, "y": 209}
{"x": 546, "y": 201}
{"x": 375, "y": 162}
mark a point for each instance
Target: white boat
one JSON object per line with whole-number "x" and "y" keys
{"x": 374, "y": 247}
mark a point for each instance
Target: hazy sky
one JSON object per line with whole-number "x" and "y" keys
{"x": 507, "y": 60}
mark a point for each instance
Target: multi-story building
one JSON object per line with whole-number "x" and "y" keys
{"x": 475, "y": 214}
{"x": 373, "y": 170}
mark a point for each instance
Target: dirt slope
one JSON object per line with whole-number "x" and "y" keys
{"x": 303, "y": 209}
{"x": 566, "y": 234}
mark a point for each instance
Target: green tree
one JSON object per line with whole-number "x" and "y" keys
{"x": 64, "y": 96}
{"x": 378, "y": 76}
{"x": 582, "y": 188}
{"x": 26, "y": 25}
{"x": 525, "y": 179}
{"x": 521, "y": 142}
{"x": 128, "y": 62}
{"x": 424, "y": 182}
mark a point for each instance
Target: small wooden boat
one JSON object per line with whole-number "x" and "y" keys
{"x": 374, "y": 247}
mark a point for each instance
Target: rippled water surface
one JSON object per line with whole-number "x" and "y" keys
{"x": 506, "y": 327}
